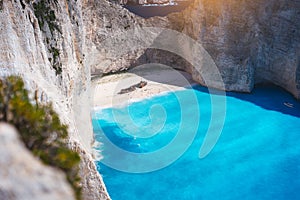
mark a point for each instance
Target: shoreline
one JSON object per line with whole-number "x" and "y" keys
{"x": 160, "y": 80}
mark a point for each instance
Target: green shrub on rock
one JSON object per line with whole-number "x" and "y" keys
{"x": 40, "y": 129}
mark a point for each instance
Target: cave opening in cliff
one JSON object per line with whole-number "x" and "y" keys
{"x": 151, "y": 8}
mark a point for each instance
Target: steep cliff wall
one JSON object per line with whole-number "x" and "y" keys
{"x": 114, "y": 36}
{"x": 105, "y": 21}
{"x": 44, "y": 42}
{"x": 250, "y": 41}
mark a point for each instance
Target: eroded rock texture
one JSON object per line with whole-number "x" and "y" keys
{"x": 250, "y": 41}
{"x": 114, "y": 37}
{"x": 44, "y": 42}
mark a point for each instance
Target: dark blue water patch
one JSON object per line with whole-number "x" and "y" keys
{"x": 151, "y": 11}
{"x": 256, "y": 157}
{"x": 272, "y": 98}
{"x": 269, "y": 97}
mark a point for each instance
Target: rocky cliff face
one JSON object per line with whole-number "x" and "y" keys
{"x": 250, "y": 41}
{"x": 114, "y": 36}
{"x": 106, "y": 21}
{"x": 44, "y": 42}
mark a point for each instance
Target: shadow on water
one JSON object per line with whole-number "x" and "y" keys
{"x": 269, "y": 97}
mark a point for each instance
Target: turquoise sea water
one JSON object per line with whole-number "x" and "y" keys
{"x": 256, "y": 157}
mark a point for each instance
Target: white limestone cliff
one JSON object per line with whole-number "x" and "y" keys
{"x": 28, "y": 51}
{"x": 251, "y": 41}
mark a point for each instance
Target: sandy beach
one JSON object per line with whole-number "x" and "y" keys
{"x": 160, "y": 79}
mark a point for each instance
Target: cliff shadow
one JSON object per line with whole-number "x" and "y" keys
{"x": 163, "y": 67}
{"x": 267, "y": 96}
